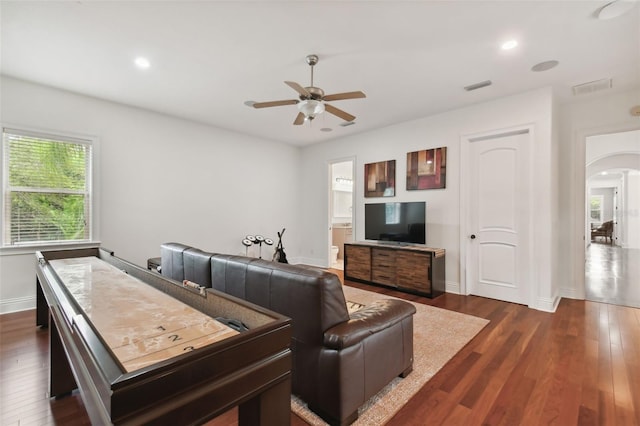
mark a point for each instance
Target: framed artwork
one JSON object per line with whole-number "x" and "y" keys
{"x": 427, "y": 169}
{"x": 380, "y": 179}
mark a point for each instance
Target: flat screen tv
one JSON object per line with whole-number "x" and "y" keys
{"x": 396, "y": 222}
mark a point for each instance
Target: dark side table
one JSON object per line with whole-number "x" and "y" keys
{"x": 153, "y": 263}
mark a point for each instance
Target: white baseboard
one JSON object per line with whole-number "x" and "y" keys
{"x": 547, "y": 304}
{"x": 571, "y": 293}
{"x": 452, "y": 287}
{"x": 18, "y": 304}
{"x": 312, "y": 261}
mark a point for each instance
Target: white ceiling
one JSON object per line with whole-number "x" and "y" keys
{"x": 411, "y": 58}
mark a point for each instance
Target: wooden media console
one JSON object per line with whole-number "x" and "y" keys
{"x": 412, "y": 269}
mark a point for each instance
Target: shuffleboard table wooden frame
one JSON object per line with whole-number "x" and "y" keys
{"x": 251, "y": 370}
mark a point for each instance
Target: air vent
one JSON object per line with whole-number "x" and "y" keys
{"x": 478, "y": 85}
{"x": 592, "y": 86}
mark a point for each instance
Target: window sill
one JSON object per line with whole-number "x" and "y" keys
{"x": 31, "y": 249}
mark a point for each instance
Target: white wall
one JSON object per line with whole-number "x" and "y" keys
{"x": 443, "y": 205}
{"x": 601, "y": 146}
{"x": 586, "y": 117}
{"x": 161, "y": 179}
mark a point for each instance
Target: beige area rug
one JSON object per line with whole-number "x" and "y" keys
{"x": 438, "y": 335}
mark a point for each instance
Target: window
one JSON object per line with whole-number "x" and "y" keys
{"x": 595, "y": 207}
{"x": 46, "y": 188}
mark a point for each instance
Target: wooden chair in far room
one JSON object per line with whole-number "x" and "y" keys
{"x": 605, "y": 230}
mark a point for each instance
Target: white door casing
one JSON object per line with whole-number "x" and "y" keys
{"x": 497, "y": 214}
{"x": 330, "y": 204}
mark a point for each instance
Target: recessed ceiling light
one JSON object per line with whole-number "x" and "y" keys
{"x": 326, "y": 129}
{"x": 544, "y": 66}
{"x": 508, "y": 45}
{"x": 142, "y": 63}
{"x": 604, "y": 173}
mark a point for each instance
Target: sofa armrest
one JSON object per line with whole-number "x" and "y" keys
{"x": 367, "y": 321}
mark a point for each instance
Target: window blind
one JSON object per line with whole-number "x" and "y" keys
{"x": 47, "y": 188}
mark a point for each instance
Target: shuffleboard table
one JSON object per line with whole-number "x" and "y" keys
{"x": 143, "y": 349}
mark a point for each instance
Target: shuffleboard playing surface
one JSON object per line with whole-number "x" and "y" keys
{"x": 140, "y": 324}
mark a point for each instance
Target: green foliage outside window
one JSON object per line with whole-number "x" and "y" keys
{"x": 47, "y": 192}
{"x": 595, "y": 202}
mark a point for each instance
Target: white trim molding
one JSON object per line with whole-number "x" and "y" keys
{"x": 571, "y": 293}
{"x": 452, "y": 287}
{"x": 547, "y": 304}
{"x": 17, "y": 304}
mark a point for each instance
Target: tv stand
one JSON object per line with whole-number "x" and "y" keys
{"x": 412, "y": 269}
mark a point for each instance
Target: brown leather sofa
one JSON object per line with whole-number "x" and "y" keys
{"x": 339, "y": 361}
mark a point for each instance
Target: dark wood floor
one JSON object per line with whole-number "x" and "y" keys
{"x": 578, "y": 366}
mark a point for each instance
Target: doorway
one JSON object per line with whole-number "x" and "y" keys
{"x": 612, "y": 256}
{"x": 340, "y": 210}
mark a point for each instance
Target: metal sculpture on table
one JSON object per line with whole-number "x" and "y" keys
{"x": 279, "y": 255}
{"x": 249, "y": 240}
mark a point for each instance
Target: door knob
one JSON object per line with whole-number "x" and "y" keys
{"x": 473, "y": 236}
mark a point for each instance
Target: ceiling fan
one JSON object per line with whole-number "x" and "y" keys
{"x": 312, "y": 100}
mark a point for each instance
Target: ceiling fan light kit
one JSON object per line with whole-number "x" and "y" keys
{"x": 310, "y": 108}
{"x": 312, "y": 100}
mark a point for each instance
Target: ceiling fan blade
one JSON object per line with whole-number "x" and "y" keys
{"x": 346, "y": 95}
{"x": 295, "y": 86}
{"x": 299, "y": 119}
{"x": 339, "y": 113}
{"x": 275, "y": 103}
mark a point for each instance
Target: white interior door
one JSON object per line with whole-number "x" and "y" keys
{"x": 499, "y": 214}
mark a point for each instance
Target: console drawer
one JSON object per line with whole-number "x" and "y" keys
{"x": 413, "y": 271}
{"x": 383, "y": 257}
{"x": 357, "y": 262}
{"x": 386, "y": 276}
{"x": 383, "y": 266}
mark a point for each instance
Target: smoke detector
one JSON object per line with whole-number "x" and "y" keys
{"x": 592, "y": 86}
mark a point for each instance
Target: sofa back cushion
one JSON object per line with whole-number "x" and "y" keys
{"x": 197, "y": 266}
{"x": 312, "y": 298}
{"x": 172, "y": 262}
